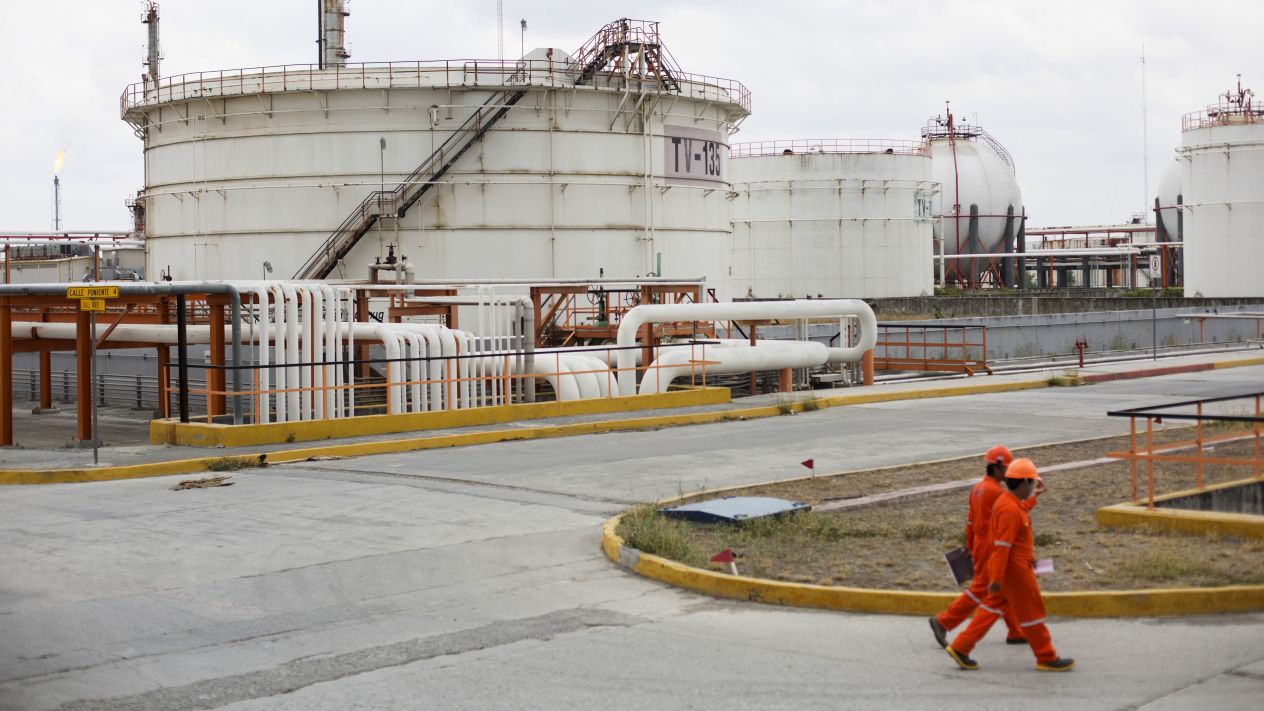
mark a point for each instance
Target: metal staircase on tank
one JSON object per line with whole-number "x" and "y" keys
{"x": 395, "y": 203}
{"x": 630, "y": 49}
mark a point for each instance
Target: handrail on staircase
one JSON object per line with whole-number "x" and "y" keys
{"x": 362, "y": 218}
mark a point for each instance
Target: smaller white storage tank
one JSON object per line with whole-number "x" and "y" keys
{"x": 1222, "y": 151}
{"x": 979, "y": 209}
{"x": 827, "y": 218}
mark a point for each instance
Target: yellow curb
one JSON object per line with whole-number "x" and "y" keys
{"x": 1107, "y": 603}
{"x": 202, "y": 434}
{"x": 185, "y": 466}
{"x": 60, "y": 476}
{"x": 1136, "y": 515}
{"x": 1220, "y": 365}
{"x": 126, "y": 471}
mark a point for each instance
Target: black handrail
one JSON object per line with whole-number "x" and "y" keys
{"x": 403, "y": 196}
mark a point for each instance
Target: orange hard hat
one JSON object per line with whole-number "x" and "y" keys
{"x": 1021, "y": 469}
{"x": 999, "y": 454}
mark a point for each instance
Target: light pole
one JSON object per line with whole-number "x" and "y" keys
{"x": 522, "y": 38}
{"x": 267, "y": 269}
{"x": 381, "y": 156}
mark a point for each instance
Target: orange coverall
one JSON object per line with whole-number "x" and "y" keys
{"x": 983, "y": 497}
{"x": 1011, "y": 561}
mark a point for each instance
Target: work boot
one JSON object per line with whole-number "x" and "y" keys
{"x": 964, "y": 661}
{"x": 1015, "y": 640}
{"x": 1059, "y": 664}
{"x": 941, "y": 634}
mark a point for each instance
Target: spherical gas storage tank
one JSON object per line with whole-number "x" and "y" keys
{"x": 977, "y": 185}
{"x": 609, "y": 163}
{"x": 831, "y": 218}
{"x": 1222, "y": 153}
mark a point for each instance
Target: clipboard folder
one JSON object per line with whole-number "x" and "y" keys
{"x": 960, "y": 564}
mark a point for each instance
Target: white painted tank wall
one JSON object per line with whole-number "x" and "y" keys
{"x": 1224, "y": 209}
{"x": 853, "y": 225}
{"x": 980, "y": 178}
{"x": 572, "y": 183}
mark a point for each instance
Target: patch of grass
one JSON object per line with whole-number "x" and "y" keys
{"x": 645, "y": 529}
{"x": 232, "y": 464}
{"x": 812, "y": 404}
{"x": 922, "y": 532}
{"x": 1167, "y": 566}
{"x": 1068, "y": 379}
{"x": 1045, "y": 539}
{"x": 785, "y": 406}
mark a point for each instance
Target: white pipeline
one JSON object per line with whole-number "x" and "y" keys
{"x": 729, "y": 356}
{"x": 744, "y": 311}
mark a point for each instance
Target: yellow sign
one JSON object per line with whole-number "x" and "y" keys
{"x": 92, "y": 292}
{"x": 92, "y": 304}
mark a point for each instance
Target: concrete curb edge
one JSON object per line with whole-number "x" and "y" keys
{"x": 1106, "y": 603}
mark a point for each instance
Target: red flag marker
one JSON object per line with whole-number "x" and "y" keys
{"x": 810, "y": 464}
{"x": 726, "y": 556}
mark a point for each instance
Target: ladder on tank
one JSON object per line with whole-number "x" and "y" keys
{"x": 395, "y": 203}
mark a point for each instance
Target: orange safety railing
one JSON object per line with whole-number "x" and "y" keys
{"x": 1149, "y": 452}
{"x": 957, "y": 349}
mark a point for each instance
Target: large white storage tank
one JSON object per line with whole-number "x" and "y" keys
{"x": 831, "y": 218}
{"x": 612, "y": 162}
{"x": 1222, "y": 150}
{"x": 979, "y": 209}
{"x": 1169, "y": 221}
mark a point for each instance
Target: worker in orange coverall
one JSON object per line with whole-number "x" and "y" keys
{"x": 979, "y": 542}
{"x": 1013, "y": 578}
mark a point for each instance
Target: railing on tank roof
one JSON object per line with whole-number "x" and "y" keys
{"x": 831, "y": 145}
{"x": 489, "y": 73}
{"x": 1223, "y": 115}
{"x": 937, "y": 131}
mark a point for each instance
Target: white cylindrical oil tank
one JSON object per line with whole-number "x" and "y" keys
{"x": 614, "y": 170}
{"x": 1222, "y": 152}
{"x": 1170, "y": 196}
{"x": 831, "y": 218}
{"x": 977, "y": 185}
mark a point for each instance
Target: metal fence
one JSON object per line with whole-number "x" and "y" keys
{"x": 136, "y": 391}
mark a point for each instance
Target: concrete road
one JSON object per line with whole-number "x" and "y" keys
{"x": 470, "y": 578}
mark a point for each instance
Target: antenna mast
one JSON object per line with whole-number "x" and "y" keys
{"x": 500, "y": 30}
{"x": 1145, "y": 139}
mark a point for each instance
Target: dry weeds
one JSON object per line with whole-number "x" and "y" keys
{"x": 900, "y": 545}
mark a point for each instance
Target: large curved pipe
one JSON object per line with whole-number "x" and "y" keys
{"x": 748, "y": 310}
{"x": 730, "y": 357}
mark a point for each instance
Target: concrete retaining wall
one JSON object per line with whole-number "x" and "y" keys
{"x": 1243, "y": 499}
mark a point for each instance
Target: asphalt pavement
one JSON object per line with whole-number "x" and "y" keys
{"x": 470, "y": 578}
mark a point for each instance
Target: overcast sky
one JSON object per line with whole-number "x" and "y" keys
{"x": 1058, "y": 83}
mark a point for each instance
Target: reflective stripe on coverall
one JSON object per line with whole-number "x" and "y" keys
{"x": 1010, "y": 562}
{"x": 983, "y": 498}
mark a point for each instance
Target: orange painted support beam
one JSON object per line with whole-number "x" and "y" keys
{"x": 866, "y": 367}
{"x": 215, "y": 376}
{"x": 362, "y": 351}
{"x": 164, "y": 396}
{"x": 83, "y": 377}
{"x": 6, "y": 371}
{"x": 46, "y": 380}
{"x": 785, "y": 380}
